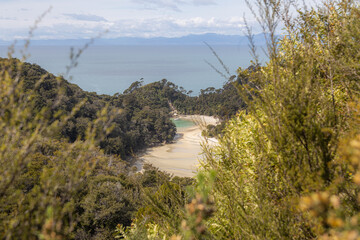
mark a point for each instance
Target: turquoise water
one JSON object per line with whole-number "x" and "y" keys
{"x": 180, "y": 123}
{"x": 111, "y": 69}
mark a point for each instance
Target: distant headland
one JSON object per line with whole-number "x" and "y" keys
{"x": 192, "y": 39}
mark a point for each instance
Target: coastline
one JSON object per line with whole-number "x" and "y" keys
{"x": 180, "y": 158}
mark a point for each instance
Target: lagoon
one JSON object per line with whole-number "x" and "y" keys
{"x": 181, "y": 124}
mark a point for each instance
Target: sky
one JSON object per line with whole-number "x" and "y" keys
{"x": 69, "y": 19}
{"x": 73, "y": 19}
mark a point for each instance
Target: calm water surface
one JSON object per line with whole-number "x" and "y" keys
{"x": 111, "y": 69}
{"x": 182, "y": 124}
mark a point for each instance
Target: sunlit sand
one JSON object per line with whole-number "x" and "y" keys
{"x": 181, "y": 157}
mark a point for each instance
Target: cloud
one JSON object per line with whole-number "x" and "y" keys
{"x": 85, "y": 17}
{"x": 8, "y": 18}
{"x": 174, "y": 5}
{"x": 149, "y": 27}
{"x": 166, "y": 26}
{"x": 175, "y": 27}
{"x": 70, "y": 29}
{"x": 203, "y": 2}
{"x": 154, "y": 4}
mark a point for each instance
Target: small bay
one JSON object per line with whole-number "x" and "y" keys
{"x": 181, "y": 157}
{"x": 182, "y": 124}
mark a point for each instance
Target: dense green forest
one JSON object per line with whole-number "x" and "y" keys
{"x": 222, "y": 103}
{"x": 62, "y": 176}
{"x": 63, "y": 151}
{"x": 143, "y": 119}
{"x": 140, "y": 123}
{"x": 286, "y": 167}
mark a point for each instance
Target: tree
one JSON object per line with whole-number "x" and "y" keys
{"x": 39, "y": 174}
{"x": 288, "y": 166}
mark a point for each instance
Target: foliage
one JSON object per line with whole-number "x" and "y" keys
{"x": 335, "y": 214}
{"x": 56, "y": 183}
{"x": 165, "y": 216}
{"x": 39, "y": 175}
{"x": 287, "y": 144}
{"x": 287, "y": 167}
{"x": 223, "y": 102}
{"x": 214, "y": 130}
{"x": 141, "y": 122}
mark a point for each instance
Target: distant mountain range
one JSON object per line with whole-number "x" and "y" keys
{"x": 210, "y": 38}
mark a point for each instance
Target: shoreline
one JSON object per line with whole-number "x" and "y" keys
{"x": 180, "y": 158}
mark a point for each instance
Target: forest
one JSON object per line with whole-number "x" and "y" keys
{"x": 143, "y": 118}
{"x": 77, "y": 147}
{"x": 287, "y": 165}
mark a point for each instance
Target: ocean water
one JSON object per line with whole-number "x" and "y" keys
{"x": 111, "y": 69}
{"x": 182, "y": 123}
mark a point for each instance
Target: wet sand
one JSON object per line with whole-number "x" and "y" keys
{"x": 181, "y": 157}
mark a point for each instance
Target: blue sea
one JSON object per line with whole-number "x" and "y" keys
{"x": 111, "y": 69}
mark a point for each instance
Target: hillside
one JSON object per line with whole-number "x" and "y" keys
{"x": 139, "y": 124}
{"x": 56, "y": 182}
{"x": 144, "y": 117}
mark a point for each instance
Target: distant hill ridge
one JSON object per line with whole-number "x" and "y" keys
{"x": 193, "y": 39}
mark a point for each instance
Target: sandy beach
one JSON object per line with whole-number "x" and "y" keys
{"x": 181, "y": 157}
